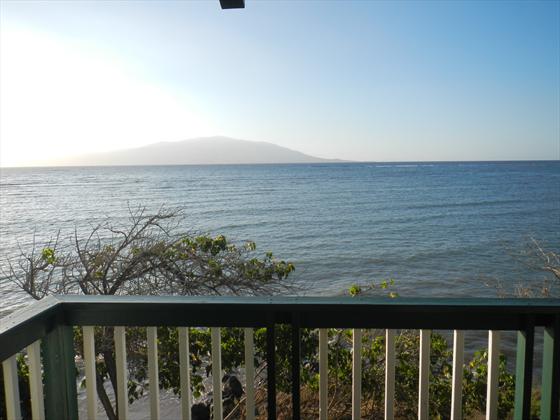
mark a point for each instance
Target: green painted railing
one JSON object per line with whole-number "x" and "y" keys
{"x": 51, "y": 321}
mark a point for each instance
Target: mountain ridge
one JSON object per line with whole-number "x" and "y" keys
{"x": 215, "y": 150}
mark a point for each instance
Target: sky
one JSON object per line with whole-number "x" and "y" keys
{"x": 355, "y": 80}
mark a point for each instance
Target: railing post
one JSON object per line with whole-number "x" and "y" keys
{"x": 389, "y": 374}
{"x": 90, "y": 371}
{"x": 424, "y": 375}
{"x": 185, "y": 373}
{"x": 271, "y": 371}
{"x": 36, "y": 381}
{"x": 457, "y": 379}
{"x": 122, "y": 372}
{"x": 356, "y": 374}
{"x": 296, "y": 355}
{"x": 323, "y": 373}
{"x": 296, "y": 358}
{"x": 493, "y": 372}
{"x": 153, "y": 373}
{"x": 249, "y": 374}
{"x": 216, "y": 341}
{"x": 60, "y": 374}
{"x": 524, "y": 372}
{"x": 551, "y": 371}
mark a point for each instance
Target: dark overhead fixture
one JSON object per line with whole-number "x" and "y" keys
{"x": 232, "y": 4}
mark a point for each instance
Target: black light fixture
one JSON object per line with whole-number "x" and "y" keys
{"x": 232, "y": 4}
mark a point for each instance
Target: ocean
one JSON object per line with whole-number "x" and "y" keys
{"x": 437, "y": 229}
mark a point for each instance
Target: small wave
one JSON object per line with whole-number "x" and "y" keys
{"x": 466, "y": 204}
{"x": 397, "y": 166}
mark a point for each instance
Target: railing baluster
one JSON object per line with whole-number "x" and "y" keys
{"x": 524, "y": 372}
{"x": 424, "y": 374}
{"x": 216, "y": 373}
{"x": 457, "y": 380}
{"x": 356, "y": 374}
{"x": 323, "y": 373}
{"x": 249, "y": 374}
{"x": 122, "y": 372}
{"x": 91, "y": 378}
{"x": 389, "y": 374}
{"x": 11, "y": 388}
{"x": 185, "y": 373}
{"x": 36, "y": 381}
{"x": 271, "y": 371}
{"x": 153, "y": 375}
{"x": 296, "y": 355}
{"x": 61, "y": 400}
{"x": 551, "y": 371}
{"x": 492, "y": 385}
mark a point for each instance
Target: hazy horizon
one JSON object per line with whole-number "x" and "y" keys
{"x": 358, "y": 81}
{"x": 88, "y": 160}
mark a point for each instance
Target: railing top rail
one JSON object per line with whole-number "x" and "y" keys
{"x": 318, "y": 301}
{"x": 314, "y": 300}
{"x": 29, "y": 324}
{"x": 35, "y": 321}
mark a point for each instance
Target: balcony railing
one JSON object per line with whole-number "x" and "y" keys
{"x": 48, "y": 324}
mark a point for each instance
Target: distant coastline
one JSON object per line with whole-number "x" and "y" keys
{"x": 217, "y": 150}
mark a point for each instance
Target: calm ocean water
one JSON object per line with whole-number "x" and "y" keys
{"x": 439, "y": 229}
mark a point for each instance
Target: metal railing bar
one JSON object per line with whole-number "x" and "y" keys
{"x": 11, "y": 388}
{"x": 493, "y": 372}
{"x": 91, "y": 377}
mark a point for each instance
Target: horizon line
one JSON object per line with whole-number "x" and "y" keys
{"x": 327, "y": 162}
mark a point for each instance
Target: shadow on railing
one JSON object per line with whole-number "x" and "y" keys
{"x": 48, "y": 325}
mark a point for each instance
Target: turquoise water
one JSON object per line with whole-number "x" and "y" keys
{"x": 441, "y": 229}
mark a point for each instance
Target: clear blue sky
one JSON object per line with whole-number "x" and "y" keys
{"x": 403, "y": 80}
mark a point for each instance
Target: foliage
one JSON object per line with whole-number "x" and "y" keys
{"x": 373, "y": 288}
{"x": 539, "y": 257}
{"x": 149, "y": 256}
{"x": 474, "y": 384}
